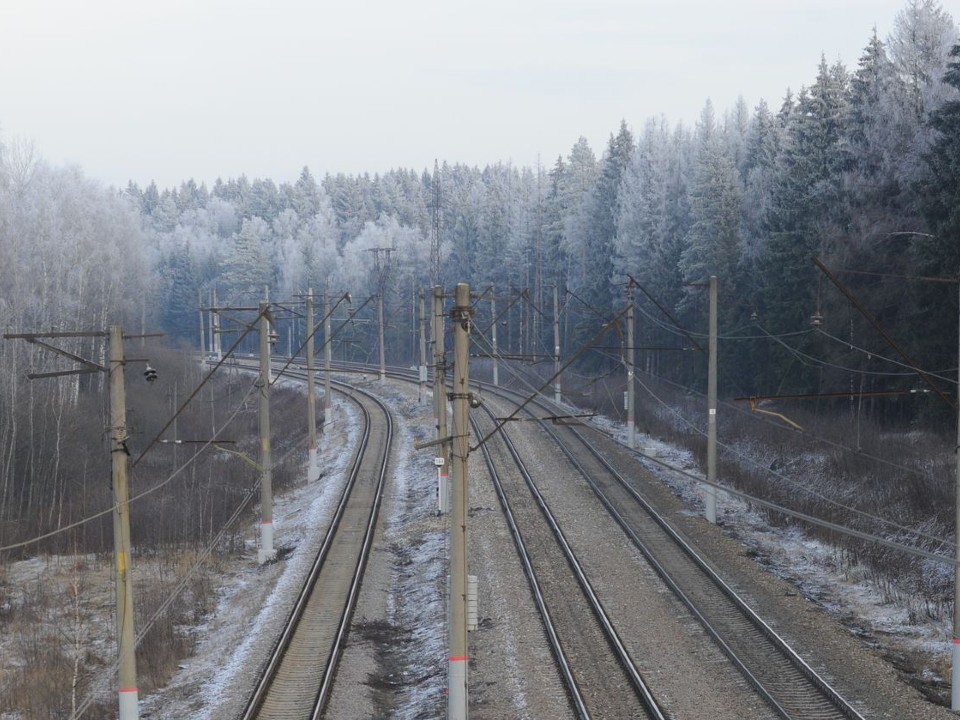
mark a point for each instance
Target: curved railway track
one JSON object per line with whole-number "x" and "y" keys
{"x": 297, "y": 678}
{"x": 788, "y": 684}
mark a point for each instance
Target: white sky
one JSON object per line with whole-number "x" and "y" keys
{"x": 177, "y": 89}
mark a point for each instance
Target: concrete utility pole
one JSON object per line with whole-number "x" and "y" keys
{"x": 710, "y": 496}
{"x": 440, "y": 402}
{"x": 955, "y": 658}
{"x": 126, "y": 638}
{"x": 423, "y": 347}
{"x": 493, "y": 337}
{"x": 631, "y": 419}
{"x": 313, "y": 469}
{"x": 556, "y": 344}
{"x": 215, "y": 340}
{"x": 457, "y": 667}
{"x": 266, "y": 551}
{"x": 129, "y": 695}
{"x": 382, "y": 270}
{"x": 203, "y": 335}
{"x": 327, "y": 353}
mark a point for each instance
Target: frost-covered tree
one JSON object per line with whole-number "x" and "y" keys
{"x": 568, "y": 186}
{"x": 921, "y": 39}
{"x": 938, "y": 251}
{"x": 918, "y": 46}
{"x": 248, "y": 270}
{"x": 762, "y": 147}
{"x": 807, "y": 209}
{"x": 646, "y": 247}
{"x": 712, "y": 245}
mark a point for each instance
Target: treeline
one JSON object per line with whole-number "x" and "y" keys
{"x": 861, "y": 169}
{"x": 855, "y": 169}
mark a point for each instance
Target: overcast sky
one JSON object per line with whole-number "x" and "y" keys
{"x": 202, "y": 89}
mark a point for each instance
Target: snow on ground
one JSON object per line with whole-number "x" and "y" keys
{"x": 255, "y": 596}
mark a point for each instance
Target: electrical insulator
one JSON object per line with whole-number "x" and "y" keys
{"x": 150, "y": 375}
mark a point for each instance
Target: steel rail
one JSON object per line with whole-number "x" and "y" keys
{"x": 842, "y": 706}
{"x": 559, "y": 655}
{"x": 257, "y": 700}
{"x": 651, "y": 706}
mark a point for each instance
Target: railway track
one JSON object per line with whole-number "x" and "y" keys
{"x": 597, "y": 682}
{"x": 787, "y": 683}
{"x": 601, "y": 678}
{"x": 297, "y": 678}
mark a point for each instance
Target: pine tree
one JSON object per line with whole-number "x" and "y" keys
{"x": 807, "y": 209}
{"x": 597, "y": 233}
{"x": 713, "y": 242}
{"x": 248, "y": 270}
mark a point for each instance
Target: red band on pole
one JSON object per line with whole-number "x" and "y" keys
{"x": 956, "y": 641}
{"x": 266, "y": 522}
{"x": 458, "y": 658}
{"x": 128, "y": 690}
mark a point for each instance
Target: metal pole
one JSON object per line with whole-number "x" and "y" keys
{"x": 556, "y": 344}
{"x": 710, "y": 497}
{"x": 440, "y": 401}
{"x": 955, "y": 659}
{"x": 129, "y": 695}
{"x": 423, "y": 347}
{"x": 313, "y": 469}
{"x": 327, "y": 353}
{"x": 631, "y": 424}
{"x": 493, "y": 338}
{"x": 266, "y": 473}
{"x": 457, "y": 668}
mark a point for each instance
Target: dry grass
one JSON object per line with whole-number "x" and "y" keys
{"x": 57, "y": 611}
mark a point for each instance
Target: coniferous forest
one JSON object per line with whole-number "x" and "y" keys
{"x": 859, "y": 169}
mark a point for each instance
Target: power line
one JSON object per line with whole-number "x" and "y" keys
{"x": 138, "y": 496}
{"x": 807, "y": 359}
{"x": 196, "y": 390}
{"x": 870, "y": 354}
{"x": 782, "y": 509}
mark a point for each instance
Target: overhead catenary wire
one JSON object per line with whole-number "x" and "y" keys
{"x": 859, "y": 452}
{"x": 778, "y": 338}
{"x": 196, "y": 390}
{"x": 939, "y": 374}
{"x": 788, "y": 480}
{"x": 583, "y": 348}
